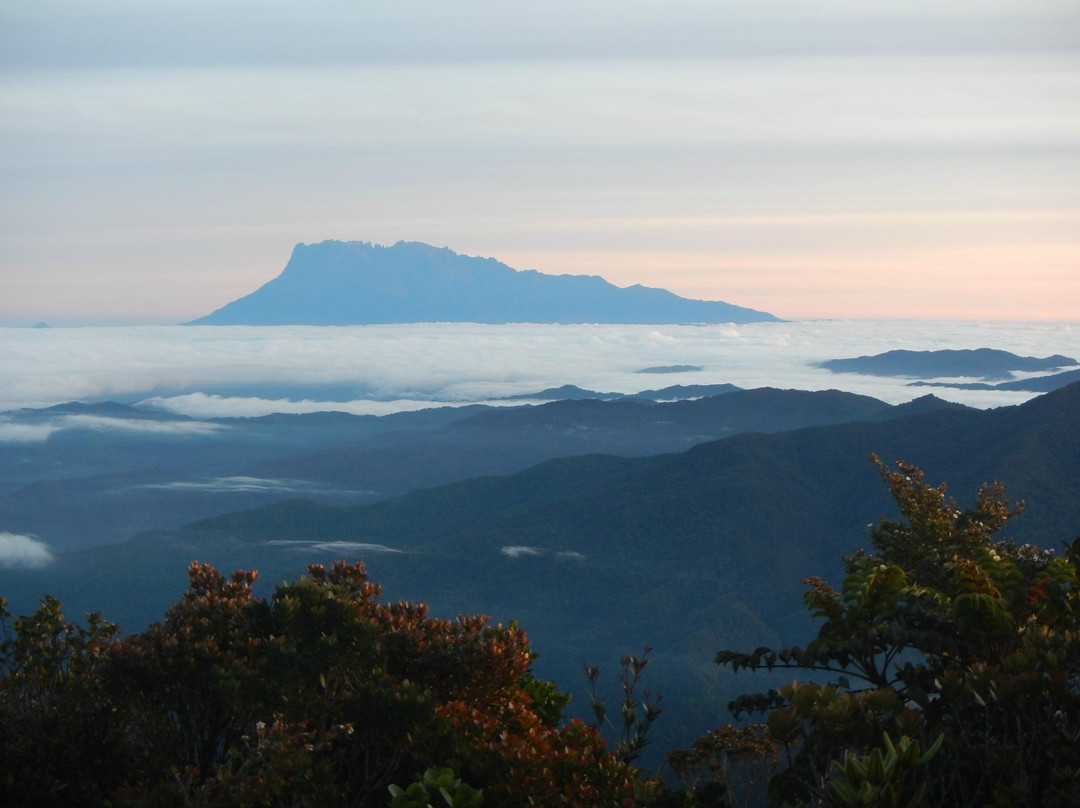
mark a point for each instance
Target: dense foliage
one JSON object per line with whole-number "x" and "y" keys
{"x": 319, "y": 695}
{"x": 946, "y": 670}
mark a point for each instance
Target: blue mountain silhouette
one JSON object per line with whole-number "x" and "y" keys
{"x": 357, "y": 282}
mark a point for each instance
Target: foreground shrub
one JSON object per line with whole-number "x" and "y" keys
{"x": 947, "y": 666}
{"x": 320, "y": 695}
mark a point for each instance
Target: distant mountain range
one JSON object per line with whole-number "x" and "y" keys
{"x": 597, "y": 554}
{"x": 672, "y": 393}
{"x": 359, "y": 283}
{"x": 107, "y": 471}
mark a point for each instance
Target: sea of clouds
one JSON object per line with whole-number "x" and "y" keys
{"x": 209, "y": 372}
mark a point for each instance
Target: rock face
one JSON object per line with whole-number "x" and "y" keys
{"x": 357, "y": 283}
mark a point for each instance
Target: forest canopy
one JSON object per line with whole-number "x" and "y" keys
{"x": 946, "y": 671}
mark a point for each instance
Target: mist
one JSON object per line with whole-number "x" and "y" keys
{"x": 23, "y": 552}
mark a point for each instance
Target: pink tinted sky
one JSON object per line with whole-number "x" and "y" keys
{"x": 819, "y": 158}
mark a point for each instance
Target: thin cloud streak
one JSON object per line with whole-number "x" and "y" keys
{"x": 100, "y": 423}
{"x": 348, "y": 547}
{"x": 201, "y": 405}
{"x": 15, "y": 432}
{"x": 248, "y": 485}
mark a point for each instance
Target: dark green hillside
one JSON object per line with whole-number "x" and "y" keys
{"x": 503, "y": 441}
{"x": 687, "y": 552}
{"x": 764, "y": 409}
{"x": 109, "y": 471}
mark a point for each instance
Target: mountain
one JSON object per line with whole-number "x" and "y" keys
{"x": 598, "y": 555}
{"x": 986, "y": 363}
{"x": 107, "y": 471}
{"x": 359, "y": 283}
{"x": 1037, "y": 384}
{"x": 674, "y": 392}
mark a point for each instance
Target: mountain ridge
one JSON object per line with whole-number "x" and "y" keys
{"x": 596, "y": 554}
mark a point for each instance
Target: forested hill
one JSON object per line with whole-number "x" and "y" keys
{"x": 735, "y": 487}
{"x": 84, "y": 487}
{"x": 600, "y": 555}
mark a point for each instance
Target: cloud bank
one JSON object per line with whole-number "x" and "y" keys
{"x": 201, "y": 405}
{"x": 204, "y": 371}
{"x": 25, "y": 433}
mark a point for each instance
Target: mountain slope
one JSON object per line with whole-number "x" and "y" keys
{"x": 598, "y": 555}
{"x": 108, "y": 471}
{"x": 355, "y": 283}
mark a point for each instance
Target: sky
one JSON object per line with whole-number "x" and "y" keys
{"x": 810, "y": 158}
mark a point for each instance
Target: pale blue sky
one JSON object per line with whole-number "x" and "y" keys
{"x": 813, "y": 159}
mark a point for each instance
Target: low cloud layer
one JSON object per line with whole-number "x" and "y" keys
{"x": 101, "y": 423}
{"x": 23, "y": 552}
{"x": 25, "y": 433}
{"x": 201, "y": 372}
{"x": 15, "y": 432}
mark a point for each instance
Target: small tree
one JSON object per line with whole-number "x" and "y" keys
{"x": 318, "y": 696}
{"x": 62, "y": 742}
{"x": 638, "y": 709}
{"x": 942, "y": 639}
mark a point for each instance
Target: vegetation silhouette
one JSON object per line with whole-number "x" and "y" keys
{"x": 319, "y": 695}
{"x": 946, "y": 671}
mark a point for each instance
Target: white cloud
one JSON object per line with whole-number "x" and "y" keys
{"x": 352, "y": 547}
{"x": 248, "y": 485}
{"x": 16, "y": 432}
{"x": 102, "y": 423}
{"x": 336, "y": 546}
{"x": 233, "y": 485}
{"x": 25, "y": 552}
{"x": 201, "y": 405}
{"x": 524, "y": 551}
{"x": 25, "y": 433}
{"x": 518, "y": 551}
